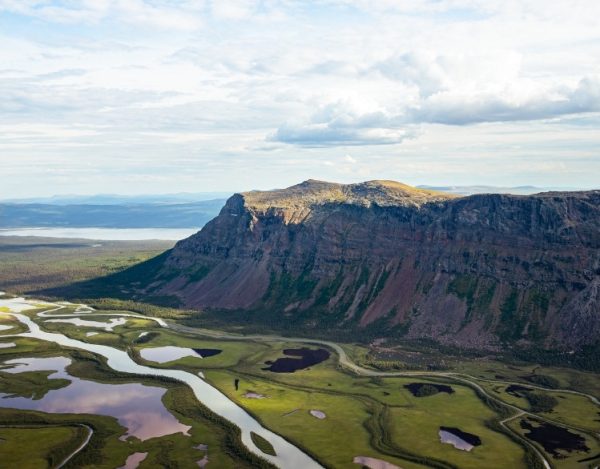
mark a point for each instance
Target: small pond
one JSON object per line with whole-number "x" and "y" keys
{"x": 137, "y": 407}
{"x": 319, "y": 414}
{"x": 459, "y": 439}
{"x": 553, "y": 438}
{"x": 207, "y": 352}
{"x": 134, "y": 460}
{"x": 168, "y": 353}
{"x": 427, "y": 389}
{"x": 306, "y": 358}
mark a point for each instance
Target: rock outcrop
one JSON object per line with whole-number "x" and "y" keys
{"x": 472, "y": 271}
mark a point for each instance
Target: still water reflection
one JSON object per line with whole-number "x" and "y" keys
{"x": 137, "y": 407}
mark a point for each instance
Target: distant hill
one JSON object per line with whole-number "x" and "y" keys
{"x": 121, "y": 215}
{"x": 118, "y": 199}
{"x": 517, "y": 190}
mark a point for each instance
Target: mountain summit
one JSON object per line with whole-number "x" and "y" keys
{"x": 380, "y": 256}
{"x": 313, "y": 192}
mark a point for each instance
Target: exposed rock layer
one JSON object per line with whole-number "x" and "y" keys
{"x": 472, "y": 271}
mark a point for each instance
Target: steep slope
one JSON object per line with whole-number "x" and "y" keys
{"x": 471, "y": 271}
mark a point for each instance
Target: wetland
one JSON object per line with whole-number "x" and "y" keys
{"x": 295, "y": 405}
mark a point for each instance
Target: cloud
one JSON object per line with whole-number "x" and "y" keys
{"x": 258, "y": 89}
{"x": 418, "y": 87}
{"x": 342, "y": 124}
{"x": 158, "y": 14}
{"x": 455, "y": 109}
{"x": 322, "y": 135}
{"x": 233, "y": 9}
{"x": 418, "y": 69}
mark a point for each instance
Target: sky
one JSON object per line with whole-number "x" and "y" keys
{"x": 158, "y": 96}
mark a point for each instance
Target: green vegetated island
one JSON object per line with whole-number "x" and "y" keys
{"x": 360, "y": 351}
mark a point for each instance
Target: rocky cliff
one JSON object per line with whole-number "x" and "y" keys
{"x": 473, "y": 271}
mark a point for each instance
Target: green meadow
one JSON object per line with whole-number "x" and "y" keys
{"x": 373, "y": 416}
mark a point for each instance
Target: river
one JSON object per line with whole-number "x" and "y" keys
{"x": 288, "y": 456}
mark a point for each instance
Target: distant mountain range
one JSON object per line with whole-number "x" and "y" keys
{"x": 117, "y": 199}
{"x": 110, "y": 215}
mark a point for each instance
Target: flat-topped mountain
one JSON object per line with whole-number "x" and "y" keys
{"x": 473, "y": 271}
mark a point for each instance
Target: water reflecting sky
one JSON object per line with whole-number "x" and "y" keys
{"x": 137, "y": 407}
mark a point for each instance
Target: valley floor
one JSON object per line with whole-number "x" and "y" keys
{"x": 340, "y": 412}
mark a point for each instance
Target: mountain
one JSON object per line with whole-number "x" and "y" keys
{"x": 140, "y": 215}
{"x": 393, "y": 260}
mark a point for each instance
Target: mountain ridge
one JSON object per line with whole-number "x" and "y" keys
{"x": 475, "y": 271}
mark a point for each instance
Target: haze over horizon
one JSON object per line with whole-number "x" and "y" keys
{"x": 160, "y": 97}
{"x": 185, "y": 197}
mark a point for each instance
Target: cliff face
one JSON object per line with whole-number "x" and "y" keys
{"x": 471, "y": 271}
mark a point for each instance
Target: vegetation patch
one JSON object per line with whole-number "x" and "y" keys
{"x": 262, "y": 444}
{"x": 543, "y": 380}
{"x": 52, "y": 444}
{"x": 428, "y": 389}
{"x": 539, "y": 402}
{"x": 30, "y": 264}
{"x": 30, "y": 384}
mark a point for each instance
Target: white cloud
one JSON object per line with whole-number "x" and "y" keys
{"x": 239, "y": 85}
{"x": 510, "y": 105}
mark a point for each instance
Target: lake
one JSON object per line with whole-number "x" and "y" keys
{"x": 104, "y": 234}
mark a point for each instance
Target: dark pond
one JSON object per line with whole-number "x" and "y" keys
{"x": 207, "y": 352}
{"x": 516, "y": 390}
{"x": 469, "y": 438}
{"x": 427, "y": 389}
{"x": 306, "y": 357}
{"x": 554, "y": 438}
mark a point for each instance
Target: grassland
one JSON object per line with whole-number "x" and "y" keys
{"x": 51, "y": 441}
{"x": 383, "y": 420}
{"x": 34, "y": 263}
{"x": 373, "y": 416}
